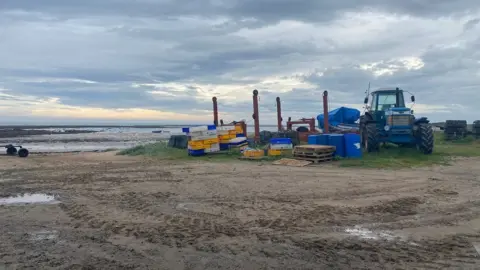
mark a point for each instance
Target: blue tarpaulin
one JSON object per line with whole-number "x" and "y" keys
{"x": 342, "y": 115}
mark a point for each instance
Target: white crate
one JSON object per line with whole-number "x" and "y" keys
{"x": 201, "y": 138}
{"x": 281, "y": 146}
{"x": 199, "y": 128}
{"x": 203, "y": 133}
{"x": 213, "y": 148}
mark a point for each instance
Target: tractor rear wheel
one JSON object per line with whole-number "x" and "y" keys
{"x": 371, "y": 137}
{"x": 425, "y": 139}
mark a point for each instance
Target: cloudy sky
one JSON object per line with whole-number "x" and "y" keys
{"x": 163, "y": 60}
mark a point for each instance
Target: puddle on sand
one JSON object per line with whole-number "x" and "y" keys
{"x": 27, "y": 198}
{"x": 367, "y": 234}
{"x": 43, "y": 235}
{"x": 364, "y": 233}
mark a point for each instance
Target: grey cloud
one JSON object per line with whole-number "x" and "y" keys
{"x": 471, "y": 24}
{"x": 117, "y": 43}
{"x": 268, "y": 10}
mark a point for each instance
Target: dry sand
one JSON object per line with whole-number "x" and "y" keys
{"x": 114, "y": 212}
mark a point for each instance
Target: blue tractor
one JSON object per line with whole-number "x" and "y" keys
{"x": 387, "y": 120}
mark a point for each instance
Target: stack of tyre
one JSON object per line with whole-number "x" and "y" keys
{"x": 455, "y": 129}
{"x": 476, "y": 129}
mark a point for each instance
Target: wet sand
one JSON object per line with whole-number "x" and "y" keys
{"x": 117, "y": 212}
{"x": 12, "y": 132}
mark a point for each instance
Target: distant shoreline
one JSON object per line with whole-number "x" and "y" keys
{"x": 101, "y": 126}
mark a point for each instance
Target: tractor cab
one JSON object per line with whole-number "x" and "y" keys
{"x": 387, "y": 108}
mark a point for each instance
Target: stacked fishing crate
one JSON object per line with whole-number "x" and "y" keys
{"x": 231, "y": 137}
{"x": 202, "y": 140}
{"x": 280, "y": 146}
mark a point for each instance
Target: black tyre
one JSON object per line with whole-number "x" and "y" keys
{"x": 371, "y": 138}
{"x": 23, "y": 153}
{"x": 11, "y": 150}
{"x": 302, "y": 129}
{"x": 425, "y": 139}
{"x": 456, "y": 123}
{"x": 476, "y": 124}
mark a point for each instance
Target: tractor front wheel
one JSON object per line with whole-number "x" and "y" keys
{"x": 425, "y": 139}
{"x": 371, "y": 137}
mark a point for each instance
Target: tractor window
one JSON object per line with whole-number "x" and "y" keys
{"x": 373, "y": 101}
{"x": 388, "y": 100}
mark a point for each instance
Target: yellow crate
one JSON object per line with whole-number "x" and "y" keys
{"x": 253, "y": 153}
{"x": 239, "y": 129}
{"x": 232, "y": 132}
{"x": 226, "y": 137}
{"x": 224, "y": 141}
{"x": 210, "y": 141}
{"x": 196, "y": 145}
{"x": 274, "y": 152}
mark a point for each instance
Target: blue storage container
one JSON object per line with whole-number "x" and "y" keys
{"x": 313, "y": 139}
{"x": 186, "y": 130}
{"x": 322, "y": 139}
{"x": 196, "y": 153}
{"x": 352, "y": 145}
{"x": 337, "y": 140}
{"x": 280, "y": 141}
{"x": 224, "y": 146}
{"x": 240, "y": 135}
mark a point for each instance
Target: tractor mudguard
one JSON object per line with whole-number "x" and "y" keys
{"x": 367, "y": 118}
{"x": 421, "y": 120}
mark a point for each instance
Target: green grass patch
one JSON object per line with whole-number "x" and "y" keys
{"x": 394, "y": 157}
{"x": 162, "y": 151}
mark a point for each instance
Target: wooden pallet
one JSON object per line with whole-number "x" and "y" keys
{"x": 314, "y": 153}
{"x": 313, "y": 149}
{"x": 315, "y": 160}
{"x": 324, "y": 156}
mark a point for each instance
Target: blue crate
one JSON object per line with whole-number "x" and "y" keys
{"x": 240, "y": 135}
{"x": 224, "y": 146}
{"x": 280, "y": 141}
{"x": 209, "y": 127}
{"x": 196, "y": 153}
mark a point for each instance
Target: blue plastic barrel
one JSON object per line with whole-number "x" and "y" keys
{"x": 313, "y": 139}
{"x": 322, "y": 139}
{"x": 337, "y": 140}
{"x": 352, "y": 145}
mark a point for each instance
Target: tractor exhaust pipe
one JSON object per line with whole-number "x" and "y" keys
{"x": 397, "y": 97}
{"x": 255, "y": 116}
{"x": 325, "y": 112}
{"x": 215, "y": 111}
{"x": 279, "y": 115}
